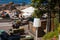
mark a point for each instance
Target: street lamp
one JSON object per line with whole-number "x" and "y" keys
{"x": 36, "y": 24}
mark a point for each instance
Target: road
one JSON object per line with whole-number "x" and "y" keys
{"x": 8, "y": 25}
{"x": 5, "y": 26}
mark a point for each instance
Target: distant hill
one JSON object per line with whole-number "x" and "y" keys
{"x": 15, "y": 1}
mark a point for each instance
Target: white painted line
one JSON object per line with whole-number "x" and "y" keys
{"x": 5, "y": 24}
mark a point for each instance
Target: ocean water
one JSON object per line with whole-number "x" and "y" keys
{"x": 15, "y": 1}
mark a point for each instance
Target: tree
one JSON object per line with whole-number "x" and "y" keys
{"x": 49, "y": 8}
{"x": 39, "y": 10}
{"x": 36, "y": 4}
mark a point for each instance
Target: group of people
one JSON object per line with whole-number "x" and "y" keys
{"x": 9, "y": 11}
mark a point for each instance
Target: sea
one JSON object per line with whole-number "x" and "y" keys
{"x": 15, "y": 1}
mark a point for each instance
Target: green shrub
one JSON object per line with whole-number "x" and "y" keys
{"x": 56, "y": 23}
{"x": 55, "y": 33}
{"x": 59, "y": 28}
{"x": 50, "y": 35}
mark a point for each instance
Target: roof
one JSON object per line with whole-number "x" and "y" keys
{"x": 29, "y": 9}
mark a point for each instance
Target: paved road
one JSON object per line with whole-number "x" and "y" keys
{"x": 5, "y": 26}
